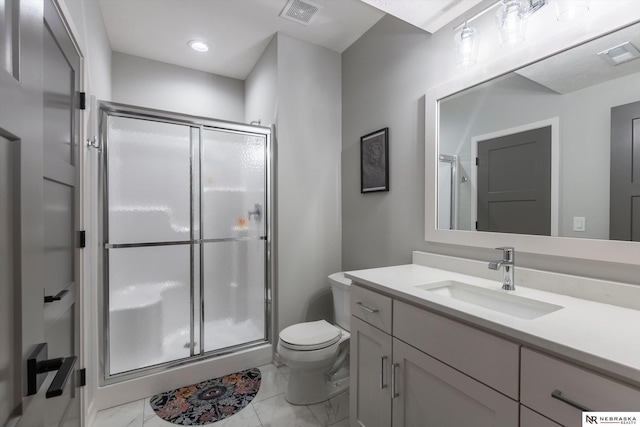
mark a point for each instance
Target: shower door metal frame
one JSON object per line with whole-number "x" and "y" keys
{"x": 107, "y": 109}
{"x": 454, "y": 182}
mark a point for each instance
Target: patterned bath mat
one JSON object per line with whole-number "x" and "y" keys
{"x": 208, "y": 401}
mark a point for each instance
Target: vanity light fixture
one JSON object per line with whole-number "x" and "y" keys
{"x": 466, "y": 41}
{"x": 199, "y": 45}
{"x": 511, "y": 18}
{"x": 571, "y": 9}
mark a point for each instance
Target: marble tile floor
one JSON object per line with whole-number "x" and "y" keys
{"x": 268, "y": 409}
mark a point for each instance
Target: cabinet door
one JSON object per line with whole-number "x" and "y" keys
{"x": 529, "y": 418}
{"x": 432, "y": 394}
{"x": 370, "y": 401}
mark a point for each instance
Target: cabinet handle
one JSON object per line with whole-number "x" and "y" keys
{"x": 394, "y": 394}
{"x": 557, "y": 394}
{"x": 382, "y": 384}
{"x": 367, "y": 309}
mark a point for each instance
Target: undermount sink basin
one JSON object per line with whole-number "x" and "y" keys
{"x": 496, "y": 300}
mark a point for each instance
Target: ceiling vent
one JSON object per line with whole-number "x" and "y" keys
{"x": 300, "y": 11}
{"x": 620, "y": 54}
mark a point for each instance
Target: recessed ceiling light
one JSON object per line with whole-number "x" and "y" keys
{"x": 199, "y": 45}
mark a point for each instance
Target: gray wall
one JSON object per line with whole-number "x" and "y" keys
{"x": 386, "y": 74}
{"x": 383, "y": 80}
{"x": 298, "y": 85}
{"x": 309, "y": 128}
{"x": 261, "y": 87}
{"x": 147, "y": 83}
{"x": 585, "y": 134}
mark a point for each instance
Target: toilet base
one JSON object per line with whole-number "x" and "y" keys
{"x": 308, "y": 389}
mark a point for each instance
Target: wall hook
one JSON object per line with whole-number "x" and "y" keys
{"x": 93, "y": 143}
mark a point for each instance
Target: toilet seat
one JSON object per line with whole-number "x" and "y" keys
{"x": 309, "y": 336}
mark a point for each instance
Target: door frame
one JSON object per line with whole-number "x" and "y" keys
{"x": 83, "y": 271}
{"x": 554, "y": 123}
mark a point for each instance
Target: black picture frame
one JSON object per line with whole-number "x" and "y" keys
{"x": 374, "y": 161}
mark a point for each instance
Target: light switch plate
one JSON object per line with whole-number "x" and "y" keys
{"x": 579, "y": 223}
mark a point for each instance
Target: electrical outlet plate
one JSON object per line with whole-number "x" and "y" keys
{"x": 579, "y": 223}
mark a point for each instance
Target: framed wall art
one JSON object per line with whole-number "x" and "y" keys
{"x": 374, "y": 161}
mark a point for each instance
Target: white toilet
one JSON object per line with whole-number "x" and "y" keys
{"x": 318, "y": 352}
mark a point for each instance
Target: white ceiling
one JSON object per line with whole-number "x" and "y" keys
{"x": 581, "y": 66}
{"x": 430, "y": 15}
{"x": 240, "y": 30}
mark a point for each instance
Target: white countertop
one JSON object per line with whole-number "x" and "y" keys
{"x": 603, "y": 336}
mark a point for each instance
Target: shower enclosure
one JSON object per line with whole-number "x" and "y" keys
{"x": 447, "y": 192}
{"x": 186, "y": 211}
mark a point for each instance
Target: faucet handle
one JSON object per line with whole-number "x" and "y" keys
{"x": 508, "y": 253}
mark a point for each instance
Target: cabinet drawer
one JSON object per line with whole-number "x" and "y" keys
{"x": 542, "y": 375}
{"x": 483, "y": 356}
{"x": 371, "y": 307}
{"x": 528, "y": 418}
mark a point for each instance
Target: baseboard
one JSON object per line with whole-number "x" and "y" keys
{"x": 90, "y": 416}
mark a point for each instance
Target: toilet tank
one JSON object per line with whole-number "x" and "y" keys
{"x": 340, "y": 289}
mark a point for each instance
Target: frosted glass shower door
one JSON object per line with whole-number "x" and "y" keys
{"x": 234, "y": 238}
{"x": 186, "y": 248}
{"x": 148, "y": 242}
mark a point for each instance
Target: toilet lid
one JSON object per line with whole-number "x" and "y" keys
{"x": 310, "y": 335}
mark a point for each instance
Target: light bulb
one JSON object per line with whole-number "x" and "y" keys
{"x": 198, "y": 45}
{"x": 512, "y": 22}
{"x": 466, "y": 42}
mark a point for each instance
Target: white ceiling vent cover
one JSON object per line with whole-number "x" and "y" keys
{"x": 300, "y": 11}
{"x": 620, "y": 54}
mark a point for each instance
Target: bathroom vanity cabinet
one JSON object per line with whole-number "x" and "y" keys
{"x": 413, "y": 367}
{"x": 396, "y": 382}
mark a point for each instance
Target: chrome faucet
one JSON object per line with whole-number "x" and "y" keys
{"x": 508, "y": 264}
